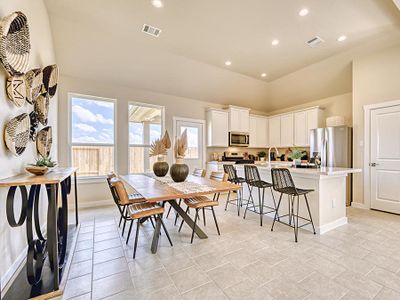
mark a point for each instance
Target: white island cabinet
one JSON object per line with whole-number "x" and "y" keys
{"x": 327, "y": 201}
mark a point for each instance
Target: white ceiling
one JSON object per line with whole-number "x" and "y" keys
{"x": 102, "y": 40}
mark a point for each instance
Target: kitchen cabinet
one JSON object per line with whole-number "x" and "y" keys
{"x": 304, "y": 121}
{"x": 287, "y": 130}
{"x": 217, "y": 128}
{"x": 258, "y": 131}
{"x": 274, "y": 131}
{"x": 239, "y": 119}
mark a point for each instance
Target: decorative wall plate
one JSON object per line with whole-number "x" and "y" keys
{"x": 42, "y": 108}
{"x": 44, "y": 140}
{"x": 15, "y": 43}
{"x": 50, "y": 80}
{"x": 16, "y": 134}
{"x": 34, "y": 83}
{"x": 16, "y": 90}
{"x": 34, "y": 125}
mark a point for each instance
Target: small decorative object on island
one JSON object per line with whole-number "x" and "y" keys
{"x": 159, "y": 148}
{"x": 296, "y": 156}
{"x": 44, "y": 140}
{"x": 43, "y": 165}
{"x": 16, "y": 134}
{"x": 180, "y": 171}
{"x": 262, "y": 155}
{"x": 15, "y": 43}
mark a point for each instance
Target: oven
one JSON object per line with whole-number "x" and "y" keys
{"x": 238, "y": 139}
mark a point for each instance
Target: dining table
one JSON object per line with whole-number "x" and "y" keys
{"x": 164, "y": 189}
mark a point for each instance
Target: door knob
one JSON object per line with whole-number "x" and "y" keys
{"x": 373, "y": 164}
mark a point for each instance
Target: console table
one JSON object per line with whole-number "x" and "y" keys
{"x": 53, "y": 244}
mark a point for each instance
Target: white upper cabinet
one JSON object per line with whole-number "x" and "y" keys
{"x": 304, "y": 121}
{"x": 217, "y": 128}
{"x": 274, "y": 130}
{"x": 239, "y": 119}
{"x": 287, "y": 130}
{"x": 258, "y": 131}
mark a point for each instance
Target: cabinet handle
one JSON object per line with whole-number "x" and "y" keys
{"x": 373, "y": 164}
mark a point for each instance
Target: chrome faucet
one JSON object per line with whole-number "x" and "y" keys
{"x": 269, "y": 154}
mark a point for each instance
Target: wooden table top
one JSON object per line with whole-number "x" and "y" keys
{"x": 55, "y": 176}
{"x": 154, "y": 191}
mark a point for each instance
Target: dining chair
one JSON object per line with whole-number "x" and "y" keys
{"x": 133, "y": 198}
{"x": 138, "y": 211}
{"x": 235, "y": 179}
{"x": 203, "y": 202}
{"x": 283, "y": 183}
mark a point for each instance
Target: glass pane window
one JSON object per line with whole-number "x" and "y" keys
{"x": 92, "y": 135}
{"x": 145, "y": 126}
{"x": 193, "y": 141}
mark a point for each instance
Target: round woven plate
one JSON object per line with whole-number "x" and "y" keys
{"x": 15, "y": 43}
{"x": 50, "y": 80}
{"x": 16, "y": 134}
{"x": 16, "y": 90}
{"x": 34, "y": 83}
{"x": 42, "y": 108}
{"x": 44, "y": 140}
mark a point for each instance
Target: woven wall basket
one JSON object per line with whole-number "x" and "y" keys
{"x": 50, "y": 80}
{"x": 14, "y": 43}
{"x": 34, "y": 83}
{"x": 42, "y": 108}
{"x": 44, "y": 140}
{"x": 16, "y": 134}
{"x": 16, "y": 90}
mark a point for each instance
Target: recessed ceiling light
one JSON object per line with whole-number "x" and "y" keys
{"x": 157, "y": 3}
{"x": 275, "y": 42}
{"x": 228, "y": 63}
{"x": 304, "y": 12}
{"x": 264, "y": 75}
{"x": 342, "y": 38}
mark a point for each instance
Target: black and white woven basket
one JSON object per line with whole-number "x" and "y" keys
{"x": 16, "y": 134}
{"x": 44, "y": 140}
{"x": 42, "y": 108}
{"x": 34, "y": 84}
{"x": 50, "y": 80}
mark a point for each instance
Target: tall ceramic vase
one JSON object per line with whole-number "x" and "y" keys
{"x": 179, "y": 171}
{"x": 160, "y": 167}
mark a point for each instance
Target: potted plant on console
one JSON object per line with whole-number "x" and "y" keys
{"x": 43, "y": 165}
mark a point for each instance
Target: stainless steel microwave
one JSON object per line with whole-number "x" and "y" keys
{"x": 239, "y": 139}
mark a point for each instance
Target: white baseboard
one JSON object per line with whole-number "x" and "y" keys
{"x": 358, "y": 205}
{"x": 330, "y": 226}
{"x": 93, "y": 204}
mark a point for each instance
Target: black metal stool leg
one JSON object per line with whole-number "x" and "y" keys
{"x": 309, "y": 212}
{"x": 136, "y": 238}
{"x": 215, "y": 220}
{"x": 276, "y": 213}
{"x": 273, "y": 198}
{"x": 261, "y": 204}
{"x": 248, "y": 201}
{"x": 290, "y": 202}
{"x": 195, "y": 221}
{"x": 166, "y": 231}
{"x": 296, "y": 225}
{"x": 129, "y": 232}
{"x": 239, "y": 199}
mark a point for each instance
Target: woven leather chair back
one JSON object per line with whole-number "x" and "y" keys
{"x": 119, "y": 190}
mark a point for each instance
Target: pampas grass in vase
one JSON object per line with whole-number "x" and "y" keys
{"x": 159, "y": 148}
{"x": 179, "y": 171}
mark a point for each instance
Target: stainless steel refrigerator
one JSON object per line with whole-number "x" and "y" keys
{"x": 333, "y": 146}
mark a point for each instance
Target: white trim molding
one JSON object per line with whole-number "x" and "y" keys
{"x": 330, "y": 226}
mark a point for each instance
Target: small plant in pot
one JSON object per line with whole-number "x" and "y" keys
{"x": 43, "y": 165}
{"x": 262, "y": 155}
{"x": 296, "y": 156}
{"x": 180, "y": 171}
{"x": 159, "y": 148}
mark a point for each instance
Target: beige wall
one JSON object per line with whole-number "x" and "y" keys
{"x": 376, "y": 78}
{"x": 13, "y": 240}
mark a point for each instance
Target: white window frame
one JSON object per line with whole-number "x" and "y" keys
{"x": 70, "y": 144}
{"x": 162, "y": 108}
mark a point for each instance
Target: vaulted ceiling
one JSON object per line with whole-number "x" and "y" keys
{"x": 102, "y": 40}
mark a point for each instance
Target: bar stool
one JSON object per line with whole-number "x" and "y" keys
{"x": 253, "y": 180}
{"x": 137, "y": 211}
{"x": 202, "y": 202}
{"x": 283, "y": 183}
{"x": 235, "y": 179}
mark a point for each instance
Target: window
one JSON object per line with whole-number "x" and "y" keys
{"x": 145, "y": 126}
{"x": 92, "y": 135}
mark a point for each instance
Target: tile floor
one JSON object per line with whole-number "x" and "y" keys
{"x": 358, "y": 261}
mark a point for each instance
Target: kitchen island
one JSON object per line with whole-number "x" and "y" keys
{"x": 327, "y": 202}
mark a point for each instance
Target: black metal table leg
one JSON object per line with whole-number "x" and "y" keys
{"x": 76, "y": 199}
{"x": 52, "y": 238}
{"x": 200, "y": 233}
{"x": 156, "y": 236}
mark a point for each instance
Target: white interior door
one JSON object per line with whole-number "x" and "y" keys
{"x": 385, "y": 159}
{"x": 196, "y": 141}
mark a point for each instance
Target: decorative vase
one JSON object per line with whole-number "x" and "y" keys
{"x": 296, "y": 162}
{"x": 160, "y": 167}
{"x": 179, "y": 171}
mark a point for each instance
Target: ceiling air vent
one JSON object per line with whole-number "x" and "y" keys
{"x": 151, "y": 30}
{"x": 314, "y": 42}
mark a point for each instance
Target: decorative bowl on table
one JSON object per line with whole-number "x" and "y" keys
{"x": 36, "y": 170}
